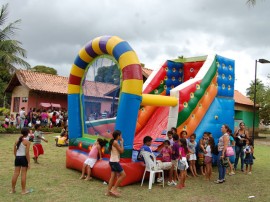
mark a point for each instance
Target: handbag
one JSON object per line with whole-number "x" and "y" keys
{"x": 224, "y": 162}
{"x": 229, "y": 151}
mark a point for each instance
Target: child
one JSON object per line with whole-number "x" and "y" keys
{"x": 182, "y": 164}
{"x": 208, "y": 159}
{"x": 92, "y": 158}
{"x": 169, "y": 135}
{"x": 38, "y": 121}
{"x": 22, "y": 160}
{"x": 175, "y": 156}
{"x": 202, "y": 145}
{"x": 30, "y": 136}
{"x": 37, "y": 147}
{"x": 248, "y": 160}
{"x": 183, "y": 134}
{"x": 116, "y": 169}
{"x": 192, "y": 144}
{"x": 174, "y": 130}
{"x": 147, "y": 141}
{"x": 7, "y": 120}
{"x": 166, "y": 153}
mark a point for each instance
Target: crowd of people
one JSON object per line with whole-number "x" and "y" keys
{"x": 46, "y": 118}
{"x": 177, "y": 154}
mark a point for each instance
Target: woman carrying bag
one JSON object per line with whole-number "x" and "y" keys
{"x": 222, "y": 159}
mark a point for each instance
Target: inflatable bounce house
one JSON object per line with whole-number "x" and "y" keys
{"x": 193, "y": 94}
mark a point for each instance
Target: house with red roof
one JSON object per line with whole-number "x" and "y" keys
{"x": 39, "y": 90}
{"x": 44, "y": 91}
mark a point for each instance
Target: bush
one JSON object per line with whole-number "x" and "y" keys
{"x": 4, "y": 111}
{"x": 2, "y": 130}
{"x": 12, "y": 130}
{"x": 52, "y": 130}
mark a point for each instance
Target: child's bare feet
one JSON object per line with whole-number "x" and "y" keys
{"x": 82, "y": 177}
{"x": 12, "y": 191}
{"x": 88, "y": 178}
{"x": 115, "y": 192}
{"x": 180, "y": 186}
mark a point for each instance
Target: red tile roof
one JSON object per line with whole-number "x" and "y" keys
{"x": 146, "y": 71}
{"x": 58, "y": 84}
{"x": 241, "y": 99}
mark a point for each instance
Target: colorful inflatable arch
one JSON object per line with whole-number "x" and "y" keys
{"x": 191, "y": 94}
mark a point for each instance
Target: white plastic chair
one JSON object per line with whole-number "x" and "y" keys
{"x": 151, "y": 167}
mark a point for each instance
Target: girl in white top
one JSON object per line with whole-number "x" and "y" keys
{"x": 116, "y": 169}
{"x": 208, "y": 158}
{"x": 22, "y": 160}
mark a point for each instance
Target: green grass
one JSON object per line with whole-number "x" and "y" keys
{"x": 51, "y": 180}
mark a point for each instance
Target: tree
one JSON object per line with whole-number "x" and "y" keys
{"x": 11, "y": 52}
{"x": 262, "y": 99}
{"x": 260, "y": 91}
{"x": 251, "y": 2}
{"x": 44, "y": 69}
{"x": 109, "y": 74}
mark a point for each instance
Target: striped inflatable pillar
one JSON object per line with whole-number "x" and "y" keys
{"x": 130, "y": 91}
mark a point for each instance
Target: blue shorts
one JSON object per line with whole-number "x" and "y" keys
{"x": 116, "y": 167}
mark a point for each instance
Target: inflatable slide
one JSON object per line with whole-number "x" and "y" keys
{"x": 192, "y": 94}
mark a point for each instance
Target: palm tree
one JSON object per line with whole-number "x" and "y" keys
{"x": 251, "y": 2}
{"x": 10, "y": 49}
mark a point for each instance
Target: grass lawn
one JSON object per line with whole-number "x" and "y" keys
{"x": 51, "y": 181}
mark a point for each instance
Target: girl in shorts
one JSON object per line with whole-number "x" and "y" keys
{"x": 192, "y": 144}
{"x": 208, "y": 158}
{"x": 117, "y": 171}
{"x": 92, "y": 158}
{"x": 182, "y": 163}
{"x": 22, "y": 160}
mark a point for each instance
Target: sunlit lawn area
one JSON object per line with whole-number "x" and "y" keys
{"x": 51, "y": 181}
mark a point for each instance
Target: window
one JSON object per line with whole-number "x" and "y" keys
{"x": 16, "y": 104}
{"x": 24, "y": 99}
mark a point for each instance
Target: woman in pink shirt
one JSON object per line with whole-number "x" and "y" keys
{"x": 92, "y": 158}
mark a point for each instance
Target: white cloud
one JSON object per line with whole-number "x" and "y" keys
{"x": 53, "y": 31}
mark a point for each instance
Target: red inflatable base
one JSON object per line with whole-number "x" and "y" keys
{"x": 102, "y": 170}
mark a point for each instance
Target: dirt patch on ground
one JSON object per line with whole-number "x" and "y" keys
{"x": 264, "y": 139}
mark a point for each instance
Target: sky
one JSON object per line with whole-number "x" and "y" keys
{"x": 53, "y": 31}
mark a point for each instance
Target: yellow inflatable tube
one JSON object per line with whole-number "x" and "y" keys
{"x": 158, "y": 100}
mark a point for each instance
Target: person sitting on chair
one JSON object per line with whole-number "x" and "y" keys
{"x": 147, "y": 141}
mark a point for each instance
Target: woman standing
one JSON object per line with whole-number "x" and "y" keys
{"x": 240, "y": 136}
{"x": 22, "y": 160}
{"x": 222, "y": 146}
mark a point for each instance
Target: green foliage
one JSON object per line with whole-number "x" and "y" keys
{"x": 262, "y": 99}
{"x": 110, "y": 74}
{"x": 10, "y": 49}
{"x": 4, "y": 111}
{"x": 12, "y": 130}
{"x": 44, "y": 69}
{"x": 51, "y": 130}
{"x": 2, "y": 130}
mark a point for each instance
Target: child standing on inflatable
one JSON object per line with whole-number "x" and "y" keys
{"x": 22, "y": 160}
{"x": 37, "y": 147}
{"x": 208, "y": 158}
{"x": 248, "y": 160}
{"x": 92, "y": 158}
{"x": 116, "y": 169}
{"x": 182, "y": 163}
